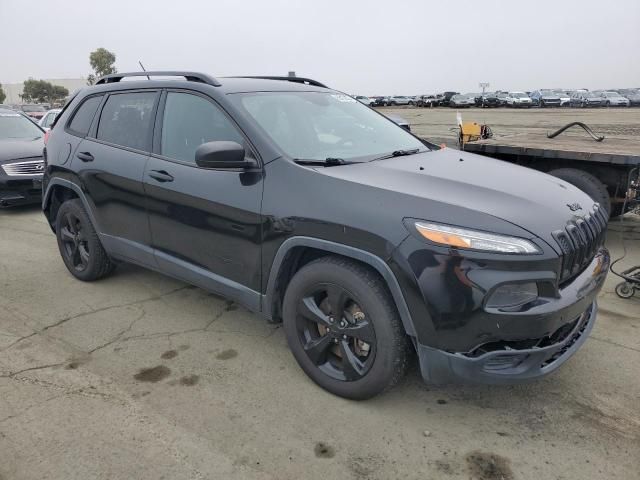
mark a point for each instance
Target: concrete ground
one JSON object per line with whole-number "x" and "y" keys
{"x": 141, "y": 376}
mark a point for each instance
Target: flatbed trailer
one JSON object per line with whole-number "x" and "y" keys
{"x": 607, "y": 170}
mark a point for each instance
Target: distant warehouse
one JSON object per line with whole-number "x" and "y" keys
{"x": 14, "y": 90}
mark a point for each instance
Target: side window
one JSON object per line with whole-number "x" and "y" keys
{"x": 188, "y": 122}
{"x": 126, "y": 119}
{"x": 83, "y": 116}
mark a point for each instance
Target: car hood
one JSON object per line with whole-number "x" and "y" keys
{"x": 477, "y": 187}
{"x": 16, "y": 149}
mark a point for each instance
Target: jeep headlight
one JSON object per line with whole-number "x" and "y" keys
{"x": 474, "y": 240}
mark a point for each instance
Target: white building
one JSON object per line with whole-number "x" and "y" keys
{"x": 14, "y": 90}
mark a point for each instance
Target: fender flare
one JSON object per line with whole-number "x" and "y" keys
{"x": 56, "y": 181}
{"x": 347, "y": 251}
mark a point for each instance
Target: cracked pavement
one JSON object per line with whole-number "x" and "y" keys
{"x": 141, "y": 376}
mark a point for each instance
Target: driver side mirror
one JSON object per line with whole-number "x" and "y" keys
{"x": 222, "y": 154}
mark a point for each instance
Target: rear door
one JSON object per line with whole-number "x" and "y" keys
{"x": 110, "y": 162}
{"x": 205, "y": 223}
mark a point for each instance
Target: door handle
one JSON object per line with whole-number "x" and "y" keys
{"x": 85, "y": 156}
{"x": 161, "y": 176}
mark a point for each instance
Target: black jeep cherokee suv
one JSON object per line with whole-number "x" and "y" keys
{"x": 302, "y": 204}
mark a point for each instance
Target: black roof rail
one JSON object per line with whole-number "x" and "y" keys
{"x": 189, "y": 76}
{"x": 303, "y": 80}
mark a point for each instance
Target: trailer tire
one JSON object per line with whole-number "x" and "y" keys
{"x": 587, "y": 183}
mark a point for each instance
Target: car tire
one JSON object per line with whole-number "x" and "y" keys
{"x": 345, "y": 367}
{"x": 587, "y": 183}
{"x": 541, "y": 104}
{"x": 79, "y": 245}
{"x": 607, "y": 103}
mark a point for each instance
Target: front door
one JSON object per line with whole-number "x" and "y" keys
{"x": 205, "y": 224}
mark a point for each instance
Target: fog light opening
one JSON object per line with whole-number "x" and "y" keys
{"x": 512, "y": 295}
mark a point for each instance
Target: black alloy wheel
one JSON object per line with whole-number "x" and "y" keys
{"x": 74, "y": 242}
{"x": 335, "y": 332}
{"x": 343, "y": 328}
{"x": 79, "y": 243}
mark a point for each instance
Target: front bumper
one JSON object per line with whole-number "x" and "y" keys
{"x": 507, "y": 366}
{"x": 532, "y": 344}
{"x": 23, "y": 191}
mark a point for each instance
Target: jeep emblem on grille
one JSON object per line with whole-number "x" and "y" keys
{"x": 574, "y": 206}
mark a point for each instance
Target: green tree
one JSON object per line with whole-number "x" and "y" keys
{"x": 102, "y": 61}
{"x": 42, "y": 91}
{"x": 2, "y": 94}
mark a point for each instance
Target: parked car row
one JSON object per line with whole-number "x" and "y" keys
{"x": 542, "y": 98}
{"x": 42, "y": 113}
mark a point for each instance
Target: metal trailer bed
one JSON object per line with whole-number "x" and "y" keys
{"x": 614, "y": 161}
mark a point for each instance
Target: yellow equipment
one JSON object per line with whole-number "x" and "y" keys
{"x": 469, "y": 132}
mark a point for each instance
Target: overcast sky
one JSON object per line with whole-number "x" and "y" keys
{"x": 365, "y": 47}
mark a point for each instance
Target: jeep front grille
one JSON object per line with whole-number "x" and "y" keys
{"x": 580, "y": 240}
{"x": 30, "y": 167}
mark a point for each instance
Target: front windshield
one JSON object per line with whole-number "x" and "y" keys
{"x": 612, "y": 94}
{"x": 319, "y": 125}
{"x": 519, "y": 95}
{"x": 14, "y": 126}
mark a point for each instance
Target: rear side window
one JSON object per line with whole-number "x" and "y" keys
{"x": 81, "y": 120}
{"x": 126, "y": 119}
{"x": 188, "y": 122}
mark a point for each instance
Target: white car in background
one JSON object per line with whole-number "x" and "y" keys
{"x": 47, "y": 119}
{"x": 519, "y": 99}
{"x": 366, "y": 100}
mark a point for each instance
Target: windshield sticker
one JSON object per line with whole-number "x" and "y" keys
{"x": 344, "y": 98}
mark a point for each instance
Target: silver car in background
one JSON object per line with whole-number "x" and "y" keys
{"x": 565, "y": 98}
{"x": 464, "y": 100}
{"x": 613, "y": 99}
{"x": 519, "y": 99}
{"x": 399, "y": 100}
{"x": 47, "y": 120}
{"x": 584, "y": 99}
{"x": 631, "y": 94}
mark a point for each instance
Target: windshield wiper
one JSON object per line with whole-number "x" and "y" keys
{"x": 398, "y": 153}
{"x": 327, "y": 162}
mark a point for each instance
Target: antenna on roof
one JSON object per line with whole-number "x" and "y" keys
{"x": 144, "y": 69}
